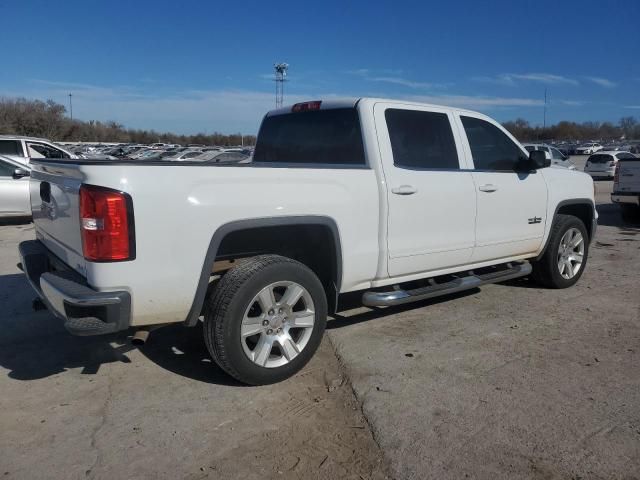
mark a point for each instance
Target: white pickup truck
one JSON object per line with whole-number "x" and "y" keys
{"x": 400, "y": 201}
{"x": 626, "y": 188}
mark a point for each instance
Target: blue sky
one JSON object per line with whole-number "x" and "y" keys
{"x": 189, "y": 66}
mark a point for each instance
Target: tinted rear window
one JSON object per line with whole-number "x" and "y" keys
{"x": 318, "y": 137}
{"x": 600, "y": 158}
{"x": 10, "y": 147}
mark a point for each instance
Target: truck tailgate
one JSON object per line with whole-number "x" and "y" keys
{"x": 628, "y": 176}
{"x": 54, "y": 189}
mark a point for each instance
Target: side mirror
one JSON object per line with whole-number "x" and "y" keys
{"x": 538, "y": 159}
{"x": 21, "y": 173}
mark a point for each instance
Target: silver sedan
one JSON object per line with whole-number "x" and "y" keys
{"x": 14, "y": 189}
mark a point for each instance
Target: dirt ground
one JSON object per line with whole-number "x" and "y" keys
{"x": 96, "y": 407}
{"x": 504, "y": 382}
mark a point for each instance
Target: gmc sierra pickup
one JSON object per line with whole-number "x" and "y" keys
{"x": 401, "y": 201}
{"x": 626, "y": 188}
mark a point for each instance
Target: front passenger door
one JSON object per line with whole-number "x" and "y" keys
{"x": 511, "y": 204}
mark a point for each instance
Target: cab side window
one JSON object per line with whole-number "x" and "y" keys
{"x": 490, "y": 147}
{"x": 39, "y": 150}
{"x": 421, "y": 140}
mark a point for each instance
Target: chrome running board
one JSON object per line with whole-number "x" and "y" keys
{"x": 399, "y": 296}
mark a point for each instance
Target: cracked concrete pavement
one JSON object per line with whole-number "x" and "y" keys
{"x": 509, "y": 381}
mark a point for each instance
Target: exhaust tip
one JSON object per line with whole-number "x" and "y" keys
{"x": 140, "y": 337}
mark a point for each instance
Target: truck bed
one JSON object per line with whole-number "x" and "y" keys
{"x": 178, "y": 206}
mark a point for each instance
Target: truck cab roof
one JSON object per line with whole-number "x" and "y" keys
{"x": 351, "y": 102}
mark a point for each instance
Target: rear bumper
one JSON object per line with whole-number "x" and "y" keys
{"x": 632, "y": 198}
{"x": 601, "y": 173}
{"x": 66, "y": 294}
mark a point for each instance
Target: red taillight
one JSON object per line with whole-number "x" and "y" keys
{"x": 106, "y": 224}
{"x": 306, "y": 106}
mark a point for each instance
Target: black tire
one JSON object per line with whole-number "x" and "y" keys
{"x": 545, "y": 269}
{"x": 227, "y": 303}
{"x": 630, "y": 213}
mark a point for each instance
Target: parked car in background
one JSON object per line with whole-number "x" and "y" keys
{"x": 184, "y": 155}
{"x": 221, "y": 157}
{"x": 23, "y": 149}
{"x": 14, "y": 188}
{"x": 567, "y": 149}
{"x": 588, "y": 149}
{"x": 552, "y": 153}
{"x": 146, "y": 153}
{"x": 603, "y": 164}
{"x": 626, "y": 188}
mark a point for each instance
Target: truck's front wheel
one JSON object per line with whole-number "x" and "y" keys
{"x": 265, "y": 319}
{"x": 565, "y": 257}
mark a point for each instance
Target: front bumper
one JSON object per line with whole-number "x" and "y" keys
{"x": 66, "y": 294}
{"x": 632, "y": 198}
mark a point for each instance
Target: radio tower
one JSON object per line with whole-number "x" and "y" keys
{"x": 281, "y": 73}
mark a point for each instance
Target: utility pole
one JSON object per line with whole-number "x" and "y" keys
{"x": 71, "y": 107}
{"x": 544, "y": 119}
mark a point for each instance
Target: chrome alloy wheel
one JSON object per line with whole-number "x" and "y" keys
{"x": 277, "y": 324}
{"x": 570, "y": 253}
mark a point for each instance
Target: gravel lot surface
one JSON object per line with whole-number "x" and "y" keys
{"x": 507, "y": 381}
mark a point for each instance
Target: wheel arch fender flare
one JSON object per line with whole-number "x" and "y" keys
{"x": 234, "y": 226}
{"x": 591, "y": 229}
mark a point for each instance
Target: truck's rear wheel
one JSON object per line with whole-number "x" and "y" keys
{"x": 565, "y": 257}
{"x": 265, "y": 319}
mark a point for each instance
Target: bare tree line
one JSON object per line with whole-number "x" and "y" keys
{"x": 35, "y": 118}
{"x": 627, "y": 127}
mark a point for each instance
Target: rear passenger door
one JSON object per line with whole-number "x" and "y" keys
{"x": 511, "y": 204}
{"x": 431, "y": 198}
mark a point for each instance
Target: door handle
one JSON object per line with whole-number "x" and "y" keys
{"x": 404, "y": 190}
{"x": 488, "y": 188}
{"x": 627, "y": 174}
